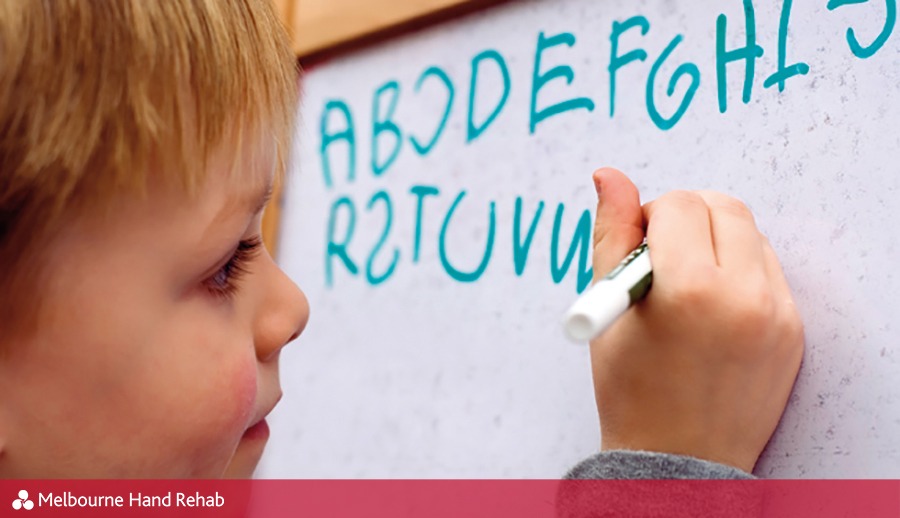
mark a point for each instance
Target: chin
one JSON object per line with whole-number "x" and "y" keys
{"x": 246, "y": 457}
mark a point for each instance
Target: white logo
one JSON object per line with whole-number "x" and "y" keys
{"x": 23, "y": 502}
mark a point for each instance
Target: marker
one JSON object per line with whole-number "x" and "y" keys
{"x": 605, "y": 301}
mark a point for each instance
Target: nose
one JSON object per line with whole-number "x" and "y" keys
{"x": 283, "y": 314}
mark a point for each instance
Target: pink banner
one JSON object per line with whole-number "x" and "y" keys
{"x": 450, "y": 499}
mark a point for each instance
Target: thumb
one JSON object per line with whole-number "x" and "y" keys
{"x": 619, "y": 227}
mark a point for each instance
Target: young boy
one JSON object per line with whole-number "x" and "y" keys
{"x": 141, "y": 319}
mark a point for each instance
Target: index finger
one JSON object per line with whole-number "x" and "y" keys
{"x": 679, "y": 234}
{"x": 737, "y": 241}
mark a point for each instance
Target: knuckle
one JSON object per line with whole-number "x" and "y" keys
{"x": 792, "y": 326}
{"x": 733, "y": 206}
{"x": 682, "y": 198}
{"x": 756, "y": 308}
{"x": 598, "y": 232}
{"x": 718, "y": 201}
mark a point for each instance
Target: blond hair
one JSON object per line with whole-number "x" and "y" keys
{"x": 92, "y": 90}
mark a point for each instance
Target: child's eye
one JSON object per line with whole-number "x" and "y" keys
{"x": 224, "y": 282}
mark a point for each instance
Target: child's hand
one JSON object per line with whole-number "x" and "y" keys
{"x": 705, "y": 364}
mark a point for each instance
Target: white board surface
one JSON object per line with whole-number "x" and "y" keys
{"x": 422, "y": 364}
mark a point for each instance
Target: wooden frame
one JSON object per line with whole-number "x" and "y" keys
{"x": 318, "y": 25}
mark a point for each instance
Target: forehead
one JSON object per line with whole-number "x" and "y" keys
{"x": 208, "y": 192}
{"x": 235, "y": 173}
{"x": 244, "y": 171}
{"x": 171, "y": 220}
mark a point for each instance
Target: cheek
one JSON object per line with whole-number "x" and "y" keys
{"x": 224, "y": 402}
{"x": 243, "y": 393}
{"x": 232, "y": 395}
{"x": 226, "y": 411}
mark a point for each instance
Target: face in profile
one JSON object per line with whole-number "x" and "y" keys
{"x": 160, "y": 328}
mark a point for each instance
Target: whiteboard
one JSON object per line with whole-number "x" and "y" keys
{"x": 434, "y": 348}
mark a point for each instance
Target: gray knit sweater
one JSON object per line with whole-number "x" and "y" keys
{"x": 627, "y": 490}
{"x": 648, "y": 465}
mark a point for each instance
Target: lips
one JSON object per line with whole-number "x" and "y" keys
{"x": 260, "y": 428}
{"x": 258, "y": 431}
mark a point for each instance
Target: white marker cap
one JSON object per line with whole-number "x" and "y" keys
{"x": 596, "y": 310}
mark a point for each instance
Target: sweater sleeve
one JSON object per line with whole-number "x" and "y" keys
{"x": 621, "y": 465}
{"x": 642, "y": 484}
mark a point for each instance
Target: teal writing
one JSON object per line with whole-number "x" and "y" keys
{"x": 420, "y": 192}
{"x": 785, "y": 72}
{"x": 615, "y": 61}
{"x": 475, "y": 130}
{"x": 347, "y": 135}
{"x": 520, "y": 247}
{"x": 386, "y": 124}
{"x": 391, "y": 232}
{"x": 455, "y": 273}
{"x": 424, "y": 149}
{"x": 539, "y": 80}
{"x": 862, "y": 51}
{"x": 581, "y": 242}
{"x": 373, "y": 278}
{"x": 748, "y": 53}
{"x": 690, "y": 69}
{"x": 337, "y": 248}
{"x": 348, "y": 229}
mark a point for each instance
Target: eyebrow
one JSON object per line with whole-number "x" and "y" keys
{"x": 253, "y": 204}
